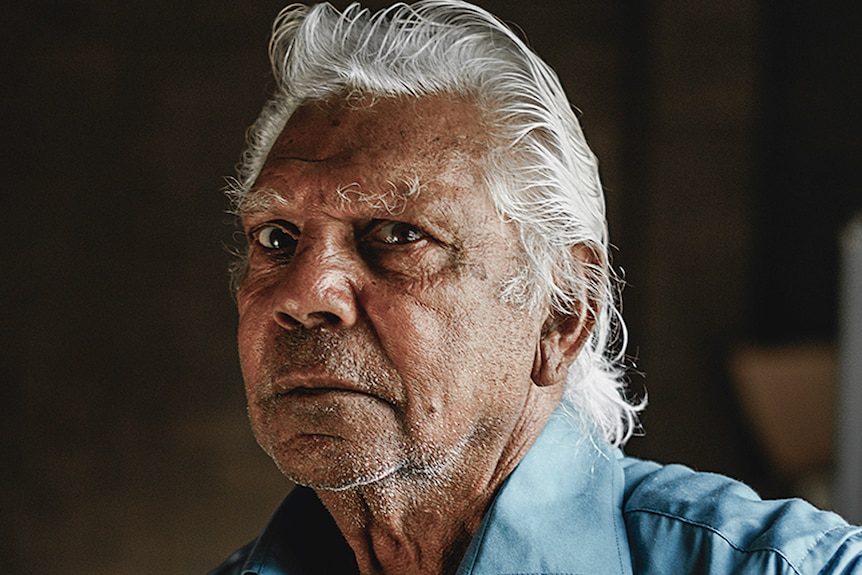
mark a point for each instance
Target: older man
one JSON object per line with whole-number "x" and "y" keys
{"x": 428, "y": 332}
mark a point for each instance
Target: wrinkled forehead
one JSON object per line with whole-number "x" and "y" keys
{"x": 434, "y": 125}
{"x": 377, "y": 147}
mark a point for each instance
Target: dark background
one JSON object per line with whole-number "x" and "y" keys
{"x": 729, "y": 135}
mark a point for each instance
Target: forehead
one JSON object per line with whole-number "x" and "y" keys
{"x": 376, "y": 145}
{"x": 347, "y": 126}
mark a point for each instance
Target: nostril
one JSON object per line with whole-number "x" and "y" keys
{"x": 287, "y": 321}
{"x": 315, "y": 319}
{"x": 328, "y": 319}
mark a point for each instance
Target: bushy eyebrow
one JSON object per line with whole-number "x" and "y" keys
{"x": 258, "y": 201}
{"x": 393, "y": 199}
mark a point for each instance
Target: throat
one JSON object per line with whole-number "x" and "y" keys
{"x": 393, "y": 555}
{"x": 400, "y": 531}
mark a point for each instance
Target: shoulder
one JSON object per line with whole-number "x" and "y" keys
{"x": 708, "y": 523}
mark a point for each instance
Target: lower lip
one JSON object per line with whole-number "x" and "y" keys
{"x": 323, "y": 406}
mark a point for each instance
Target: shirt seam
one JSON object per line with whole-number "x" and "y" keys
{"x": 723, "y": 537}
{"x": 817, "y": 542}
{"x": 619, "y": 480}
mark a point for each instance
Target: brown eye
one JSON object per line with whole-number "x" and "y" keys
{"x": 401, "y": 250}
{"x": 396, "y": 233}
{"x": 276, "y": 237}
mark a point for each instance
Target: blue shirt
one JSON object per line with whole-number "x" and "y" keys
{"x": 575, "y": 506}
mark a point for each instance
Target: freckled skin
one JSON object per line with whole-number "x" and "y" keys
{"x": 388, "y": 376}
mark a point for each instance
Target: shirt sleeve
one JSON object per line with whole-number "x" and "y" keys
{"x": 681, "y": 521}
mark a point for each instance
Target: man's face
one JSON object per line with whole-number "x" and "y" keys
{"x": 373, "y": 339}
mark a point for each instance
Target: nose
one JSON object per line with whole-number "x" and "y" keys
{"x": 317, "y": 289}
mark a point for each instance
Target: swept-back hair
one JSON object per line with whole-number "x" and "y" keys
{"x": 540, "y": 172}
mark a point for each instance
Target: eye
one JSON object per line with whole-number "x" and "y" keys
{"x": 395, "y": 233}
{"x": 276, "y": 236}
{"x": 402, "y": 250}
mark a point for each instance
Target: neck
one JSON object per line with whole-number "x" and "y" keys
{"x": 421, "y": 522}
{"x": 403, "y": 526}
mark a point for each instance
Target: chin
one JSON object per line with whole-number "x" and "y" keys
{"x": 331, "y": 469}
{"x": 334, "y": 478}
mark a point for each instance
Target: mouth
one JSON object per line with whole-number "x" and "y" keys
{"x": 297, "y": 386}
{"x": 303, "y": 391}
{"x": 304, "y": 395}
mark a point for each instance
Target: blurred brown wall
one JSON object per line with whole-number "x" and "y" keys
{"x": 124, "y": 442}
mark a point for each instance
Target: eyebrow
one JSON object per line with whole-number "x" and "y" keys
{"x": 393, "y": 199}
{"x": 259, "y": 200}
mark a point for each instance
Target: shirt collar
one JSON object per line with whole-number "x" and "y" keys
{"x": 559, "y": 512}
{"x": 291, "y": 543}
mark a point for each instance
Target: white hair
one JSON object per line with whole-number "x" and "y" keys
{"x": 542, "y": 175}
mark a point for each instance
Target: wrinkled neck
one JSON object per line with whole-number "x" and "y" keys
{"x": 421, "y": 522}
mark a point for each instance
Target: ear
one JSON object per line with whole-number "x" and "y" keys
{"x": 559, "y": 345}
{"x": 563, "y": 336}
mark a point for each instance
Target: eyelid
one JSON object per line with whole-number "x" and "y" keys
{"x": 287, "y": 227}
{"x": 377, "y": 226}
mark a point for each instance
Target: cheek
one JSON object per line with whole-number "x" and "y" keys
{"x": 453, "y": 343}
{"x": 253, "y": 326}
